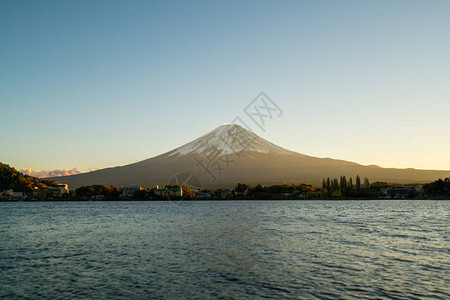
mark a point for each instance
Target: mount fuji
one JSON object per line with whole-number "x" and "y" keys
{"x": 231, "y": 154}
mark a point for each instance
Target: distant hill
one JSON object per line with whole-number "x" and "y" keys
{"x": 12, "y": 179}
{"x": 231, "y": 154}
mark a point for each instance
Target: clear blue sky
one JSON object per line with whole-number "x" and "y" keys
{"x": 92, "y": 84}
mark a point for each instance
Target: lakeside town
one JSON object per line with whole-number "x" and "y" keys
{"x": 61, "y": 192}
{"x": 15, "y": 186}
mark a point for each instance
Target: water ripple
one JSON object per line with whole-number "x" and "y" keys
{"x": 225, "y": 250}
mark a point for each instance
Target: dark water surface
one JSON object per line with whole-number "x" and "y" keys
{"x": 233, "y": 250}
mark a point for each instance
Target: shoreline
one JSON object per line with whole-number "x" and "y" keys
{"x": 205, "y": 200}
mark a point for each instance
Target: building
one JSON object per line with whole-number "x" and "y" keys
{"x": 8, "y": 194}
{"x": 98, "y": 197}
{"x": 129, "y": 191}
{"x": 177, "y": 191}
{"x": 401, "y": 192}
{"x": 63, "y": 187}
{"x": 39, "y": 194}
{"x": 203, "y": 194}
{"x": 19, "y": 195}
{"x": 57, "y": 190}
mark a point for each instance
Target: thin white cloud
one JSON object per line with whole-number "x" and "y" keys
{"x": 54, "y": 173}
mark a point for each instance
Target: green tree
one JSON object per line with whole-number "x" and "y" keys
{"x": 358, "y": 183}
{"x": 366, "y": 183}
{"x": 343, "y": 185}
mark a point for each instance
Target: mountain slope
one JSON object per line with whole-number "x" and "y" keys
{"x": 10, "y": 178}
{"x": 230, "y": 154}
{"x": 229, "y": 139}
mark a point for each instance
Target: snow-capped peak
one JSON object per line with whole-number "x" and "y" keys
{"x": 227, "y": 139}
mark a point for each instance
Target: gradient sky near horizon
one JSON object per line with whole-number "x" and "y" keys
{"x": 94, "y": 84}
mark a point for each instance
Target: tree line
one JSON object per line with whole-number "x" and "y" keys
{"x": 343, "y": 187}
{"x": 337, "y": 188}
{"x": 438, "y": 188}
{"x": 98, "y": 189}
{"x": 260, "y": 191}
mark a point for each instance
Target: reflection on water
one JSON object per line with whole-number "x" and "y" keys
{"x": 285, "y": 249}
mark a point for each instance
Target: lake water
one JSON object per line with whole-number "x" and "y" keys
{"x": 225, "y": 249}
